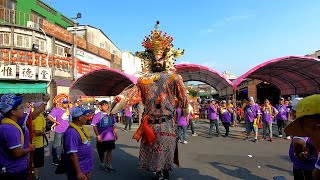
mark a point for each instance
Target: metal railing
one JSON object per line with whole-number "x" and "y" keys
{"x": 10, "y": 16}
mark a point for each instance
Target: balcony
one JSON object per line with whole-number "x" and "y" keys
{"x": 10, "y": 16}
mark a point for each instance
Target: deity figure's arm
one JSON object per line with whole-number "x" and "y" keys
{"x": 128, "y": 97}
{"x": 181, "y": 92}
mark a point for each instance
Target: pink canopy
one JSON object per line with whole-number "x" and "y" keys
{"x": 103, "y": 82}
{"x": 195, "y": 72}
{"x": 291, "y": 74}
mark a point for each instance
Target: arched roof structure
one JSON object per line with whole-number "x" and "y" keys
{"x": 195, "y": 72}
{"x": 291, "y": 74}
{"x": 103, "y": 82}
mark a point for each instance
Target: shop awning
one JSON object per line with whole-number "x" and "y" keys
{"x": 13, "y": 87}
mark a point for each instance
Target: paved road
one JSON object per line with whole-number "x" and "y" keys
{"x": 201, "y": 158}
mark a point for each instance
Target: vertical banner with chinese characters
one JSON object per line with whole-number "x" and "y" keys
{"x": 27, "y": 72}
{"x": 8, "y": 71}
{"x": 44, "y": 74}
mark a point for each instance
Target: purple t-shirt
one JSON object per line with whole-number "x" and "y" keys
{"x": 105, "y": 124}
{"x": 213, "y": 112}
{"x": 73, "y": 144}
{"x": 304, "y": 164}
{"x": 251, "y": 112}
{"x": 61, "y": 116}
{"x": 283, "y": 112}
{"x": 267, "y": 115}
{"x": 10, "y": 138}
{"x": 181, "y": 120}
{"x": 128, "y": 113}
{"x": 225, "y": 115}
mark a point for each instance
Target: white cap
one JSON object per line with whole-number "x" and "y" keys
{"x": 294, "y": 103}
{"x": 251, "y": 99}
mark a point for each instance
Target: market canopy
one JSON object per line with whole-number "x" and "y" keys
{"x": 103, "y": 82}
{"x": 291, "y": 74}
{"x": 195, "y": 72}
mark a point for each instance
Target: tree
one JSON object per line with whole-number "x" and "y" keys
{"x": 193, "y": 93}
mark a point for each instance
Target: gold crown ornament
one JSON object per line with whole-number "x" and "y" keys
{"x": 159, "y": 44}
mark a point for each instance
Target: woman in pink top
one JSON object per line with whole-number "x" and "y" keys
{"x": 182, "y": 121}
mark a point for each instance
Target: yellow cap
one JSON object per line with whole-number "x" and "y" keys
{"x": 307, "y": 106}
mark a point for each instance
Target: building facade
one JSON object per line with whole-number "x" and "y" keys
{"x": 38, "y": 54}
{"x": 131, "y": 64}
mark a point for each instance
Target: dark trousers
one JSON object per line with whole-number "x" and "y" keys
{"x": 300, "y": 174}
{"x": 212, "y": 124}
{"x": 128, "y": 122}
{"x": 24, "y": 175}
{"x": 227, "y": 127}
{"x": 191, "y": 124}
{"x": 281, "y": 125}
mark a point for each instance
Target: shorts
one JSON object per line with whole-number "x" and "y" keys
{"x": 38, "y": 157}
{"x": 106, "y": 146}
{"x": 250, "y": 127}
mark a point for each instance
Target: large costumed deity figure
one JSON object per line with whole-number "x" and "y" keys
{"x": 158, "y": 90}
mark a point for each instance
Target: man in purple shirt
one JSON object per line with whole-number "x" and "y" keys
{"x": 59, "y": 116}
{"x": 252, "y": 115}
{"x": 13, "y": 152}
{"x": 106, "y": 132}
{"x": 282, "y": 116}
{"x": 226, "y": 115}
{"x": 268, "y": 114}
{"x": 213, "y": 117}
{"x": 77, "y": 146}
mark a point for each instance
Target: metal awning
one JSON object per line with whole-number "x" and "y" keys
{"x": 22, "y": 87}
{"x": 291, "y": 74}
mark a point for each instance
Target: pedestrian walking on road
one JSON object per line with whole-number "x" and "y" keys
{"x": 282, "y": 117}
{"x": 213, "y": 117}
{"x": 268, "y": 114}
{"x": 252, "y": 116}
{"x": 226, "y": 116}
{"x": 106, "y": 132}
{"x": 182, "y": 122}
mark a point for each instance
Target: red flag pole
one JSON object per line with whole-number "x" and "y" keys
{"x": 30, "y": 127}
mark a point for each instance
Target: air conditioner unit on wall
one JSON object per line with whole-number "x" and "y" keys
{"x": 31, "y": 24}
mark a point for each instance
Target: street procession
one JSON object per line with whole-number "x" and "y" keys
{"x": 184, "y": 90}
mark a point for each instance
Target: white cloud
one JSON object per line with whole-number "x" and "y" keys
{"x": 236, "y": 18}
{"x": 216, "y": 27}
{"x": 184, "y": 62}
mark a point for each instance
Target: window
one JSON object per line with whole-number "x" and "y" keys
{"x": 23, "y": 41}
{"x": 5, "y": 39}
{"x": 36, "y": 17}
{"x": 41, "y": 43}
{"x": 59, "y": 50}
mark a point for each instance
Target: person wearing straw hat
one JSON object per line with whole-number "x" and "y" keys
{"x": 77, "y": 146}
{"x": 307, "y": 124}
{"x": 13, "y": 153}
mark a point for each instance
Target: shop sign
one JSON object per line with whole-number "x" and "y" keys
{"x": 27, "y": 72}
{"x": 44, "y": 74}
{"x": 8, "y": 71}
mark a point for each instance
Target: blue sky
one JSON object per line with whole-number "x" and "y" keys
{"x": 232, "y": 35}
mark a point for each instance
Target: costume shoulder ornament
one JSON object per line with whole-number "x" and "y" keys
{"x": 158, "y": 43}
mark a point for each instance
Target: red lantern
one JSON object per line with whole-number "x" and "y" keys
{"x": 13, "y": 59}
{"x": 21, "y": 53}
{"x": 55, "y": 57}
{"x": 29, "y": 54}
{"x": 56, "y": 62}
{"x": 37, "y": 62}
{"x": 29, "y": 61}
{"x": 22, "y": 60}
{"x": 61, "y": 63}
{"x": 50, "y": 63}
{"x": 37, "y": 56}
{"x": 13, "y": 52}
{"x": 43, "y": 55}
{"x": 69, "y": 58}
{"x": 70, "y": 64}
{"x": 5, "y": 58}
{"x": 50, "y": 57}
{"x": 43, "y": 62}
{"x": 65, "y": 63}
{"x": 5, "y": 50}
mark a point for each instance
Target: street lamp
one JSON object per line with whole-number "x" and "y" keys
{"x": 74, "y": 53}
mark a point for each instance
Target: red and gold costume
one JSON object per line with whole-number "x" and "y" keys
{"x": 158, "y": 92}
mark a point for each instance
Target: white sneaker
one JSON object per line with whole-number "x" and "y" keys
{"x": 280, "y": 136}
{"x": 288, "y": 137}
{"x": 185, "y": 142}
{"x": 195, "y": 134}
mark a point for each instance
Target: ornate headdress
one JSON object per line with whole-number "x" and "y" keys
{"x": 158, "y": 43}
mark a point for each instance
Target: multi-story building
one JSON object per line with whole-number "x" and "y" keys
{"x": 131, "y": 64}
{"x": 37, "y": 51}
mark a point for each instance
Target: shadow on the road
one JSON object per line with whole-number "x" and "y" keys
{"x": 279, "y": 169}
{"x": 236, "y": 171}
